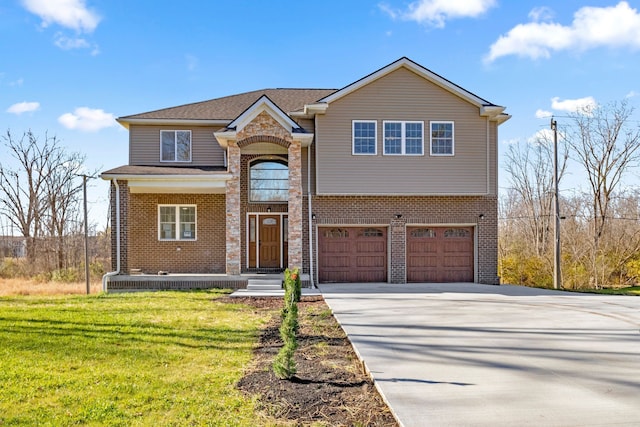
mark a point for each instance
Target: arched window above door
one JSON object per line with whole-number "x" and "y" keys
{"x": 269, "y": 181}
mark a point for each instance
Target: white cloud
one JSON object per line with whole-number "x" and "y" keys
{"x": 541, "y": 136}
{"x": 23, "y": 107}
{"x": 541, "y": 14}
{"x": 592, "y": 27}
{"x": 574, "y": 105}
{"x": 512, "y": 141}
{"x": 436, "y": 12}
{"x": 66, "y": 43}
{"x": 72, "y": 14}
{"x": 543, "y": 114}
{"x": 631, "y": 94}
{"x": 87, "y": 119}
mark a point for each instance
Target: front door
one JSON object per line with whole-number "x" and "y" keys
{"x": 269, "y": 241}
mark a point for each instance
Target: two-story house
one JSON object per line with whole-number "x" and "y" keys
{"x": 392, "y": 178}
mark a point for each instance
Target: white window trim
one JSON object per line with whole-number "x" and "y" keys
{"x": 403, "y": 139}
{"x": 175, "y": 146}
{"x": 453, "y": 138}
{"x": 177, "y": 208}
{"x": 353, "y": 137}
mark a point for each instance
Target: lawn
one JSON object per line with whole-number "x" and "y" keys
{"x": 634, "y": 290}
{"x": 156, "y": 358}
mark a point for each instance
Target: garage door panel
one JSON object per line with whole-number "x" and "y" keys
{"x": 370, "y": 261}
{"x": 366, "y": 247}
{"x": 352, "y": 254}
{"x": 336, "y": 261}
{"x": 440, "y": 254}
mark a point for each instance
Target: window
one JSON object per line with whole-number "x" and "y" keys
{"x": 175, "y": 145}
{"x": 423, "y": 232}
{"x": 442, "y": 138}
{"x": 364, "y": 137}
{"x": 403, "y": 138}
{"x": 269, "y": 181}
{"x": 456, "y": 232}
{"x": 177, "y": 222}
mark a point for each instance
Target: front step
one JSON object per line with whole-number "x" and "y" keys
{"x": 264, "y": 284}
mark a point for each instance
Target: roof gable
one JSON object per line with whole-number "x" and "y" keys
{"x": 416, "y": 68}
{"x": 263, "y": 104}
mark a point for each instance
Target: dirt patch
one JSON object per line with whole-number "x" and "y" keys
{"x": 330, "y": 387}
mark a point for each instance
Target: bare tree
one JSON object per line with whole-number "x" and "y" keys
{"x": 604, "y": 143}
{"x": 22, "y": 186}
{"x": 530, "y": 172}
{"x": 40, "y": 190}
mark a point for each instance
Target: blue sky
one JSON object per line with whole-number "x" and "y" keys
{"x": 70, "y": 67}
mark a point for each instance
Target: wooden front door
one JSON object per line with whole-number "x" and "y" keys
{"x": 269, "y": 241}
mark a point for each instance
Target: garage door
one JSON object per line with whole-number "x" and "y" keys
{"x": 440, "y": 254}
{"x": 352, "y": 254}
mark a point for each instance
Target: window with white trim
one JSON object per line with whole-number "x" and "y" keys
{"x": 442, "y": 140}
{"x": 177, "y": 222}
{"x": 364, "y": 137}
{"x": 403, "y": 138}
{"x": 175, "y": 145}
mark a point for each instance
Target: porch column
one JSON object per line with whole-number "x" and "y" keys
{"x": 295, "y": 205}
{"x": 233, "y": 210}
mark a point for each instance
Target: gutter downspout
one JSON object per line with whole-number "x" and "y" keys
{"x": 313, "y": 286}
{"x": 113, "y": 273}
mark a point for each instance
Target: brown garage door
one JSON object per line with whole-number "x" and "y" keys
{"x": 352, "y": 254}
{"x": 440, "y": 254}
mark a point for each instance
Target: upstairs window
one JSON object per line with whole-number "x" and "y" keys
{"x": 403, "y": 138}
{"x": 176, "y": 222}
{"x": 175, "y": 145}
{"x": 442, "y": 140}
{"x": 364, "y": 137}
{"x": 268, "y": 181}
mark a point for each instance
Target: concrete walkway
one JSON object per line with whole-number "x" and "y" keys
{"x": 477, "y": 355}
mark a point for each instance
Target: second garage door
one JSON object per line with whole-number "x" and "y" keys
{"x": 352, "y": 254}
{"x": 440, "y": 254}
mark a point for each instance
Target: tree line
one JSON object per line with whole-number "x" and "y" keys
{"x": 41, "y": 200}
{"x": 600, "y": 226}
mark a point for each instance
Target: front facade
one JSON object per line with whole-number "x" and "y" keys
{"x": 390, "y": 179}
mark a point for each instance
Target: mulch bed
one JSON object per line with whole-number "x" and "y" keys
{"x": 330, "y": 386}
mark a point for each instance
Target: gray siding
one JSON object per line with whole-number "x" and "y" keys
{"x": 403, "y": 95}
{"x": 144, "y": 146}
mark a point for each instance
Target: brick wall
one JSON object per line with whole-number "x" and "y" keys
{"x": 207, "y": 254}
{"x": 417, "y": 210}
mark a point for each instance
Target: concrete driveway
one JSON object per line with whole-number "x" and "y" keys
{"x": 477, "y": 355}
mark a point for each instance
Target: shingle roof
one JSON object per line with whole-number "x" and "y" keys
{"x": 164, "y": 170}
{"x": 230, "y": 107}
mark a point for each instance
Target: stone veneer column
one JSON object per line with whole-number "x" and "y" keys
{"x": 295, "y": 205}
{"x": 233, "y": 210}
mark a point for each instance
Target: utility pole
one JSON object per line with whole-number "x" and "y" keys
{"x": 557, "y": 276}
{"x": 86, "y": 232}
{"x": 86, "y": 235}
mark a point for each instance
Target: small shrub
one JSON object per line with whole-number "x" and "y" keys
{"x": 284, "y": 364}
{"x": 66, "y": 275}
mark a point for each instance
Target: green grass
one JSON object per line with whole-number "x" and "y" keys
{"x": 157, "y": 358}
{"x": 633, "y": 290}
